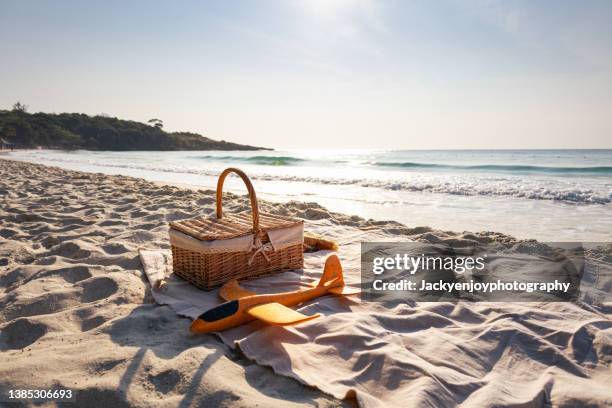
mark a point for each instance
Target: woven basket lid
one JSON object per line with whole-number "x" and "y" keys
{"x": 220, "y": 226}
{"x": 211, "y": 228}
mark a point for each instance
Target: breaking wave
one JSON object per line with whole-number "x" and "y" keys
{"x": 292, "y": 160}
{"x": 496, "y": 167}
{"x": 262, "y": 160}
{"x": 588, "y": 185}
{"x": 512, "y": 186}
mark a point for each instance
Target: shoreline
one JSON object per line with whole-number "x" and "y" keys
{"x": 442, "y": 200}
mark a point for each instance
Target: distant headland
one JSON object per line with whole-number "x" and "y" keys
{"x": 20, "y": 129}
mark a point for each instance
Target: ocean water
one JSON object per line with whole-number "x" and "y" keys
{"x": 555, "y": 195}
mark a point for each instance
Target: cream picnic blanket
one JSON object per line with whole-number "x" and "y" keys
{"x": 426, "y": 354}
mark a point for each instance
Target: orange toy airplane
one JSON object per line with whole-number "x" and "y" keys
{"x": 242, "y": 306}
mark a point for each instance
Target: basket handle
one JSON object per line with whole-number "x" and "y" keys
{"x": 252, "y": 196}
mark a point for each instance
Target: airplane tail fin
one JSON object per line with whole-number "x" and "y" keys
{"x": 333, "y": 278}
{"x": 332, "y": 272}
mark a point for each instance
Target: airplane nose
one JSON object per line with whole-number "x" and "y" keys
{"x": 199, "y": 326}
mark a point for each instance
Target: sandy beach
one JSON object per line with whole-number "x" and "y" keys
{"x": 76, "y": 310}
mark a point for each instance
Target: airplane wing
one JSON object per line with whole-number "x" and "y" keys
{"x": 275, "y": 313}
{"x": 233, "y": 291}
{"x": 271, "y": 313}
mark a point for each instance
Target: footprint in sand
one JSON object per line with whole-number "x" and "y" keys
{"x": 92, "y": 323}
{"x": 75, "y": 221}
{"x": 46, "y": 260}
{"x": 165, "y": 381}
{"x": 205, "y": 201}
{"x": 153, "y": 207}
{"x": 21, "y": 333}
{"x": 18, "y": 252}
{"x": 50, "y": 241}
{"x": 95, "y": 212}
{"x": 142, "y": 236}
{"x": 124, "y": 208}
{"x": 89, "y": 317}
{"x": 115, "y": 248}
{"x": 148, "y": 226}
{"x": 178, "y": 215}
{"x": 36, "y": 228}
{"x": 70, "y": 227}
{"x": 138, "y": 214}
{"x": 98, "y": 288}
{"x": 8, "y": 233}
{"x": 107, "y": 365}
{"x": 43, "y": 304}
{"x": 27, "y": 217}
{"x": 70, "y": 250}
{"x": 111, "y": 223}
{"x": 25, "y": 274}
{"x": 154, "y": 217}
{"x": 72, "y": 274}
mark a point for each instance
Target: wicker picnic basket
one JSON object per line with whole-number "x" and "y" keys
{"x": 208, "y": 251}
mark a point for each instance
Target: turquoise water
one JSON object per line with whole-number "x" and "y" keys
{"x": 588, "y": 162}
{"x": 544, "y": 194}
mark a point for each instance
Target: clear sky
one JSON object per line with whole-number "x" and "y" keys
{"x": 319, "y": 73}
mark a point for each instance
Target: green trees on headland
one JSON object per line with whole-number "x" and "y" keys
{"x": 158, "y": 123}
{"x": 80, "y": 131}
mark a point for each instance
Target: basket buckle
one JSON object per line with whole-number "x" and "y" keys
{"x": 259, "y": 247}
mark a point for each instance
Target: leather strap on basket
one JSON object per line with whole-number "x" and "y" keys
{"x": 252, "y": 196}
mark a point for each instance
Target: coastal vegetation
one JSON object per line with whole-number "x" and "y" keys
{"x": 22, "y": 129}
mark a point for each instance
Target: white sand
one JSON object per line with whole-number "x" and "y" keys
{"x": 75, "y": 308}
